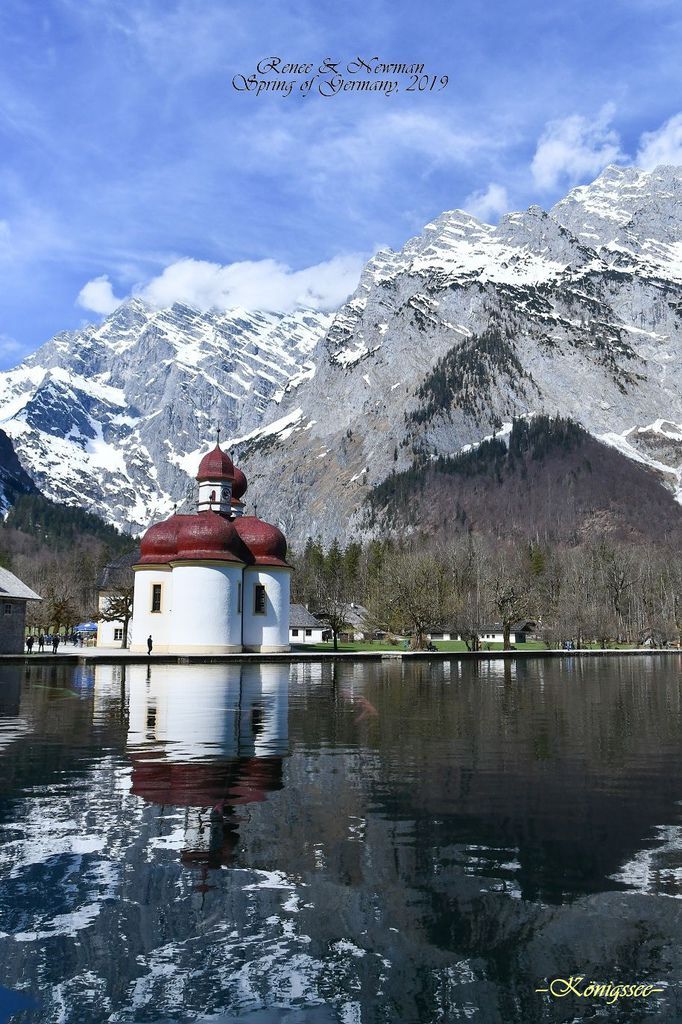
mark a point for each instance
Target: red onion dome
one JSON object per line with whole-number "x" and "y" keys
{"x": 159, "y": 542}
{"x": 217, "y": 465}
{"x": 239, "y": 484}
{"x": 265, "y": 542}
{"x": 207, "y": 535}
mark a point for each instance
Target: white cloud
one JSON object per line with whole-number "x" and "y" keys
{"x": 575, "y": 148}
{"x": 375, "y": 142}
{"x": 98, "y": 295}
{"x": 251, "y": 284}
{"x": 663, "y": 146}
{"x": 488, "y": 204}
{"x": 255, "y": 284}
{"x": 10, "y": 348}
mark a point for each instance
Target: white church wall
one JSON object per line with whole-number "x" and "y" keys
{"x": 147, "y": 622}
{"x": 267, "y": 631}
{"x": 205, "y": 617}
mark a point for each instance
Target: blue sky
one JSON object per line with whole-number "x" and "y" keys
{"x": 129, "y": 164}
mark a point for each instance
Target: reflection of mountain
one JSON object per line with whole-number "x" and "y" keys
{"x": 389, "y": 872}
{"x": 210, "y": 746}
{"x": 534, "y": 775}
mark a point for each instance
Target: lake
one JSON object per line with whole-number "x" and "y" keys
{"x": 341, "y": 841}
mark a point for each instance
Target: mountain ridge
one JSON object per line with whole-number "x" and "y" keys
{"x": 105, "y": 416}
{"x": 575, "y": 312}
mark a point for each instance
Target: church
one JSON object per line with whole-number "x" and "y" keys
{"x": 216, "y": 582}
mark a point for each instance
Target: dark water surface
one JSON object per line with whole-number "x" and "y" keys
{"x": 354, "y": 843}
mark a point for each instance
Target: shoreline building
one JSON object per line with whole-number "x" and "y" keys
{"x": 305, "y": 628}
{"x": 115, "y": 580}
{"x": 13, "y": 598}
{"x": 216, "y": 582}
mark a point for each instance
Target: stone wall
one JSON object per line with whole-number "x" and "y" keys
{"x": 12, "y": 622}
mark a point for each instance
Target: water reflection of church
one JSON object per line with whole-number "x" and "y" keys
{"x": 211, "y": 744}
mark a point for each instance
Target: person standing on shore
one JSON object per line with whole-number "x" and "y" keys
{"x": 29, "y": 644}
{"x": 150, "y": 644}
{"x": 55, "y": 643}
{"x": 41, "y": 643}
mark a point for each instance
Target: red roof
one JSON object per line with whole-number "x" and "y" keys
{"x": 207, "y": 535}
{"x": 210, "y": 536}
{"x": 217, "y": 465}
{"x": 266, "y": 543}
{"x": 239, "y": 485}
{"x": 159, "y": 543}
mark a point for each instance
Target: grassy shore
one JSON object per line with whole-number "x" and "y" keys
{"x": 445, "y": 646}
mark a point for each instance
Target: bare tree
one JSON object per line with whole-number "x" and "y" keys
{"x": 510, "y": 590}
{"x": 409, "y": 595}
{"x": 119, "y": 608}
{"x": 467, "y": 594}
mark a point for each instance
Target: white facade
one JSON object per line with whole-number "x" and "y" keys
{"x": 307, "y": 634}
{"x": 215, "y": 496}
{"x": 205, "y": 600}
{"x": 488, "y": 637}
{"x": 210, "y": 608}
{"x": 215, "y": 582}
{"x": 146, "y": 620}
{"x": 266, "y": 630}
{"x": 109, "y": 634}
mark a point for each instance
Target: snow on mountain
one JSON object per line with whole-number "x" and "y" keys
{"x": 576, "y": 311}
{"x": 104, "y": 417}
{"x": 657, "y": 445}
{"x": 632, "y": 217}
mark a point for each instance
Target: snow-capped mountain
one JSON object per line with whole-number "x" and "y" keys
{"x": 576, "y": 311}
{"x": 104, "y": 417}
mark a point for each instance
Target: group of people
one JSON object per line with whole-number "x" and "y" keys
{"x": 54, "y": 640}
{"x": 48, "y": 640}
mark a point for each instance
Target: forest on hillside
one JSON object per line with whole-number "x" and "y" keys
{"x": 603, "y": 579}
{"x": 547, "y": 480}
{"x": 58, "y": 551}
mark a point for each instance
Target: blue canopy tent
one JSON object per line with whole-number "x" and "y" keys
{"x": 86, "y": 627}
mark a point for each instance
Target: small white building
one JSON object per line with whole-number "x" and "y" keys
{"x": 115, "y": 580}
{"x": 304, "y": 628}
{"x": 13, "y": 597}
{"x": 215, "y": 582}
{"x": 491, "y": 634}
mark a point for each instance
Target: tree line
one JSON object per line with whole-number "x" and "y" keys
{"x": 59, "y": 552}
{"x": 602, "y": 591}
{"x": 599, "y": 592}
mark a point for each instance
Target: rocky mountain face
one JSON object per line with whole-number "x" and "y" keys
{"x": 14, "y": 480}
{"x": 574, "y": 312}
{"x": 108, "y": 417}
